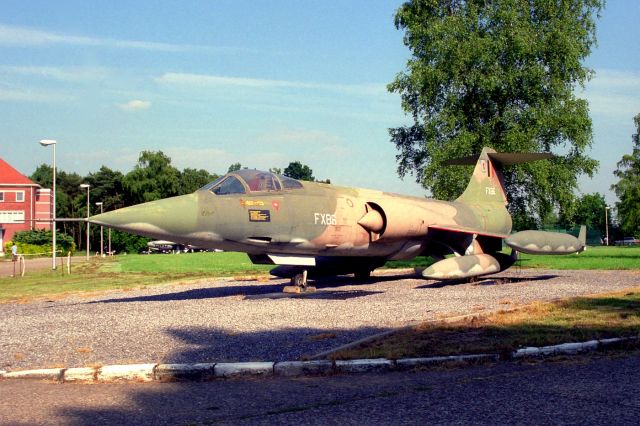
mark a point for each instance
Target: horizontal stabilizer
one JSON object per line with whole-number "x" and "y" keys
{"x": 542, "y": 242}
{"x": 504, "y": 158}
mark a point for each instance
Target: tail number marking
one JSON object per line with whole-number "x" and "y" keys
{"x": 490, "y": 190}
{"x": 324, "y": 219}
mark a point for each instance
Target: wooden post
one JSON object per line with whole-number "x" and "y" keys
{"x": 23, "y": 265}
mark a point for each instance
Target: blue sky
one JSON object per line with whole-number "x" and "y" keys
{"x": 261, "y": 82}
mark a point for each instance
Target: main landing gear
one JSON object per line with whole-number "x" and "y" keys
{"x": 299, "y": 284}
{"x": 362, "y": 275}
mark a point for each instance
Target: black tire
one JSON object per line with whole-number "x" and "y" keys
{"x": 298, "y": 280}
{"x": 362, "y": 275}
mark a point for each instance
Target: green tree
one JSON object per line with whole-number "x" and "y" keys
{"x": 43, "y": 176}
{"x": 628, "y": 187}
{"x": 192, "y": 179}
{"x": 71, "y": 202}
{"x": 503, "y": 74}
{"x": 234, "y": 167}
{"x": 67, "y": 187}
{"x": 123, "y": 242}
{"x": 588, "y": 209}
{"x": 152, "y": 178}
{"x": 106, "y": 187}
{"x": 297, "y": 170}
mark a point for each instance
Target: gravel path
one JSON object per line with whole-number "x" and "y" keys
{"x": 229, "y": 320}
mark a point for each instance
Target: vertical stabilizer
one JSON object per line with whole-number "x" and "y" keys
{"x": 486, "y": 184}
{"x": 582, "y": 236}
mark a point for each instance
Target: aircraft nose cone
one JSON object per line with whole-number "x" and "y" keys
{"x": 160, "y": 219}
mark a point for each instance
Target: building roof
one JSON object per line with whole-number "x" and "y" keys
{"x": 10, "y": 176}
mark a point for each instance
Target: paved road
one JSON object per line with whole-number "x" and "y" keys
{"x": 595, "y": 390}
{"x": 37, "y": 264}
{"x": 228, "y": 320}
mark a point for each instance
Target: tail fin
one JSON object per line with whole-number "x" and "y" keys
{"x": 582, "y": 237}
{"x": 486, "y": 184}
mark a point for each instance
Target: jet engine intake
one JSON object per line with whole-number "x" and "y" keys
{"x": 394, "y": 220}
{"x": 372, "y": 221}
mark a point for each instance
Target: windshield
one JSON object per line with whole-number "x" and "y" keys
{"x": 254, "y": 180}
{"x": 213, "y": 184}
{"x": 229, "y": 185}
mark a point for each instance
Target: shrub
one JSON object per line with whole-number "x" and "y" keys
{"x": 39, "y": 242}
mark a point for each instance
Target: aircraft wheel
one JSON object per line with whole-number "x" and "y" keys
{"x": 300, "y": 280}
{"x": 362, "y": 275}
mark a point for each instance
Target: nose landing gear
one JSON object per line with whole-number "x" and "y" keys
{"x": 299, "y": 284}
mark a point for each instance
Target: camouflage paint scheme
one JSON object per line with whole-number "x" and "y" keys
{"x": 327, "y": 229}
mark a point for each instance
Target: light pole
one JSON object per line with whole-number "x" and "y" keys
{"x": 99, "y": 203}
{"x": 606, "y": 223}
{"x": 86, "y": 185}
{"x": 47, "y": 142}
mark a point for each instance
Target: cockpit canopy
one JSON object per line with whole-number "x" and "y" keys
{"x": 246, "y": 180}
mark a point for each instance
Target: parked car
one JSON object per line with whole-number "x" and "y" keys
{"x": 627, "y": 241}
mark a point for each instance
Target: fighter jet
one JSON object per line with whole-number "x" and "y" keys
{"x": 314, "y": 229}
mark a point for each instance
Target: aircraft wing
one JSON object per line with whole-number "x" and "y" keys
{"x": 466, "y": 230}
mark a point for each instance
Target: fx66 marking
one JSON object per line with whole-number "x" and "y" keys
{"x": 325, "y": 219}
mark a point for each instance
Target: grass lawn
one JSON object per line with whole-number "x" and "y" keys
{"x": 224, "y": 264}
{"x": 127, "y": 272}
{"x": 540, "y": 324}
{"x": 598, "y": 257}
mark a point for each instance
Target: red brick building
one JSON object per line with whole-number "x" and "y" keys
{"x": 22, "y": 204}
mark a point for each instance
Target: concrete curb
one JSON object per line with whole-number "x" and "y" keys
{"x": 132, "y": 372}
{"x": 572, "y": 348}
{"x": 54, "y": 374}
{"x": 238, "y": 369}
{"x": 184, "y": 372}
{"x": 224, "y": 370}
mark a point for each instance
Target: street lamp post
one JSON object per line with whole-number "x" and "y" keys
{"x": 47, "y": 142}
{"x": 606, "y": 223}
{"x": 86, "y": 185}
{"x": 99, "y": 203}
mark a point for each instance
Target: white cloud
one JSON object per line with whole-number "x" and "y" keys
{"x": 216, "y": 81}
{"x": 614, "y": 94}
{"x": 59, "y": 73}
{"x": 299, "y": 137}
{"x": 38, "y": 96}
{"x": 23, "y": 36}
{"x": 614, "y": 105}
{"x": 608, "y": 78}
{"x": 122, "y": 159}
{"x": 135, "y": 105}
{"x": 299, "y": 142}
{"x": 210, "y": 159}
{"x": 218, "y": 160}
